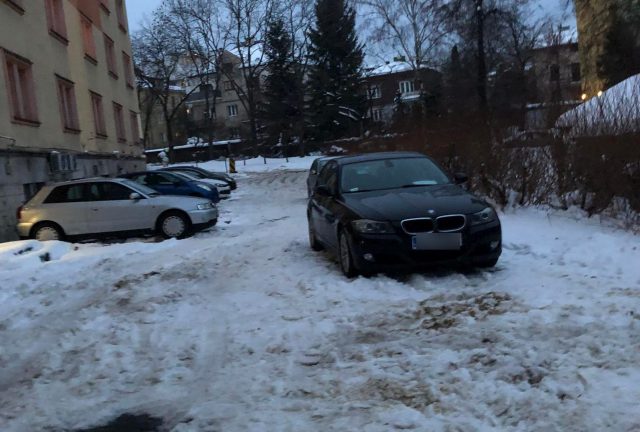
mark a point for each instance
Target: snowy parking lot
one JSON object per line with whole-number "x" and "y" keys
{"x": 244, "y": 328}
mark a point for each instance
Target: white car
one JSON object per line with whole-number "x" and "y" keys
{"x": 103, "y": 205}
{"x": 224, "y": 190}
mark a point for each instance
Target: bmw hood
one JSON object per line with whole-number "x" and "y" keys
{"x": 422, "y": 201}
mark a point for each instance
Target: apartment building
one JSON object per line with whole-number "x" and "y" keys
{"x": 394, "y": 82}
{"x": 68, "y": 104}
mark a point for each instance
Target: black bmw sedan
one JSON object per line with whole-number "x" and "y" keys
{"x": 386, "y": 211}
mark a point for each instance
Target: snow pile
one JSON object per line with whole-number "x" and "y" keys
{"x": 616, "y": 111}
{"x": 31, "y": 253}
{"x": 258, "y": 164}
{"x": 244, "y": 328}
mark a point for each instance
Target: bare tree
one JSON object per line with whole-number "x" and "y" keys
{"x": 248, "y": 21}
{"x": 158, "y": 54}
{"x": 414, "y": 28}
{"x": 204, "y": 36}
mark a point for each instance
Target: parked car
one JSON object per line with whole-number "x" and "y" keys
{"x": 316, "y": 167}
{"x": 101, "y": 205}
{"x": 169, "y": 183}
{"x": 223, "y": 187}
{"x": 203, "y": 173}
{"x": 399, "y": 210}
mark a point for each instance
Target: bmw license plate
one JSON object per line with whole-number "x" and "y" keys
{"x": 436, "y": 241}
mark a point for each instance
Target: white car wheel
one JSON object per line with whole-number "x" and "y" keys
{"x": 174, "y": 225}
{"x": 47, "y": 232}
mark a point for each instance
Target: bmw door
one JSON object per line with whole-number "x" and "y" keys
{"x": 322, "y": 205}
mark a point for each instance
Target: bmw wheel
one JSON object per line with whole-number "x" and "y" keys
{"x": 345, "y": 256}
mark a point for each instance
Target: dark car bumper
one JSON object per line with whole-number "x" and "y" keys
{"x": 480, "y": 245}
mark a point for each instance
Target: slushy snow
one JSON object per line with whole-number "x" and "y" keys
{"x": 244, "y": 328}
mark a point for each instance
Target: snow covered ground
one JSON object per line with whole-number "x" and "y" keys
{"x": 244, "y": 328}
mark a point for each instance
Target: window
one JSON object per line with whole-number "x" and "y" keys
{"x": 374, "y": 92}
{"x": 119, "y": 119}
{"x": 232, "y": 110}
{"x": 55, "y": 18}
{"x": 377, "y": 114}
{"x": 87, "y": 38}
{"x": 66, "y": 194}
{"x": 329, "y": 176}
{"x": 228, "y": 86}
{"x": 31, "y": 189}
{"x": 16, "y": 4}
{"x": 575, "y": 72}
{"x": 20, "y": 86}
{"x": 135, "y": 129}
{"x": 68, "y": 107}
{"x": 122, "y": 22}
{"x": 234, "y": 132}
{"x": 107, "y": 191}
{"x": 554, "y": 72}
{"x": 128, "y": 71}
{"x": 406, "y": 87}
{"x": 105, "y": 6}
{"x": 98, "y": 115}
{"x": 111, "y": 56}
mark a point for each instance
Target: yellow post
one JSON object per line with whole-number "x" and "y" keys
{"x": 232, "y": 166}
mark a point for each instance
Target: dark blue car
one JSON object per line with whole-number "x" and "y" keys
{"x": 174, "y": 184}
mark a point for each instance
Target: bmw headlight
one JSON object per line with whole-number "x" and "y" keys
{"x": 485, "y": 216}
{"x": 205, "y": 187}
{"x": 366, "y": 226}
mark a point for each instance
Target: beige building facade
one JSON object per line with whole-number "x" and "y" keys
{"x": 68, "y": 104}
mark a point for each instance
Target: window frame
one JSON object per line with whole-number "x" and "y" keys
{"x": 88, "y": 39}
{"x": 232, "y": 110}
{"x": 575, "y": 67}
{"x": 110, "y": 56}
{"x": 68, "y": 105}
{"x": 122, "y": 20}
{"x": 56, "y": 20}
{"x": 408, "y": 84}
{"x": 377, "y": 94}
{"x": 17, "y": 5}
{"x": 128, "y": 71}
{"x": 100, "y": 127}
{"x": 20, "y": 88}
{"x": 118, "y": 117}
{"x": 135, "y": 127}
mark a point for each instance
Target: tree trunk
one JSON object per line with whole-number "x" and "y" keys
{"x": 481, "y": 83}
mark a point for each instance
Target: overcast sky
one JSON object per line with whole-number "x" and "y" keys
{"x": 138, "y": 9}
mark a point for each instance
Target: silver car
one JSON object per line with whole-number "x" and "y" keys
{"x": 102, "y": 205}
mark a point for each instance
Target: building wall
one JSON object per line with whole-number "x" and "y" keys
{"x": 566, "y": 87}
{"x": 26, "y": 149}
{"x": 594, "y": 18}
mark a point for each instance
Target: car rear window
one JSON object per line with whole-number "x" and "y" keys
{"x": 66, "y": 194}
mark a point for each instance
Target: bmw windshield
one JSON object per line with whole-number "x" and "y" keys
{"x": 391, "y": 174}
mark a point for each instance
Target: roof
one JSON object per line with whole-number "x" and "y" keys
{"x": 343, "y": 160}
{"x": 390, "y": 68}
{"x": 616, "y": 111}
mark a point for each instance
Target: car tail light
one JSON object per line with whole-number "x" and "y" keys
{"x": 19, "y": 213}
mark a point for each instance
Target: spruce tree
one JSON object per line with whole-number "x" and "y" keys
{"x": 281, "y": 90}
{"x": 337, "y": 100}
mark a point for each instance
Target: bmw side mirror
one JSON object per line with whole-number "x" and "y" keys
{"x": 460, "y": 178}
{"x": 314, "y": 172}
{"x": 323, "y": 190}
{"x": 135, "y": 196}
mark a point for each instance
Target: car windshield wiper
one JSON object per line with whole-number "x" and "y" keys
{"x": 412, "y": 185}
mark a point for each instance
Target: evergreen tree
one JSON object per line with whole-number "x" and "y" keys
{"x": 281, "y": 92}
{"x": 337, "y": 102}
